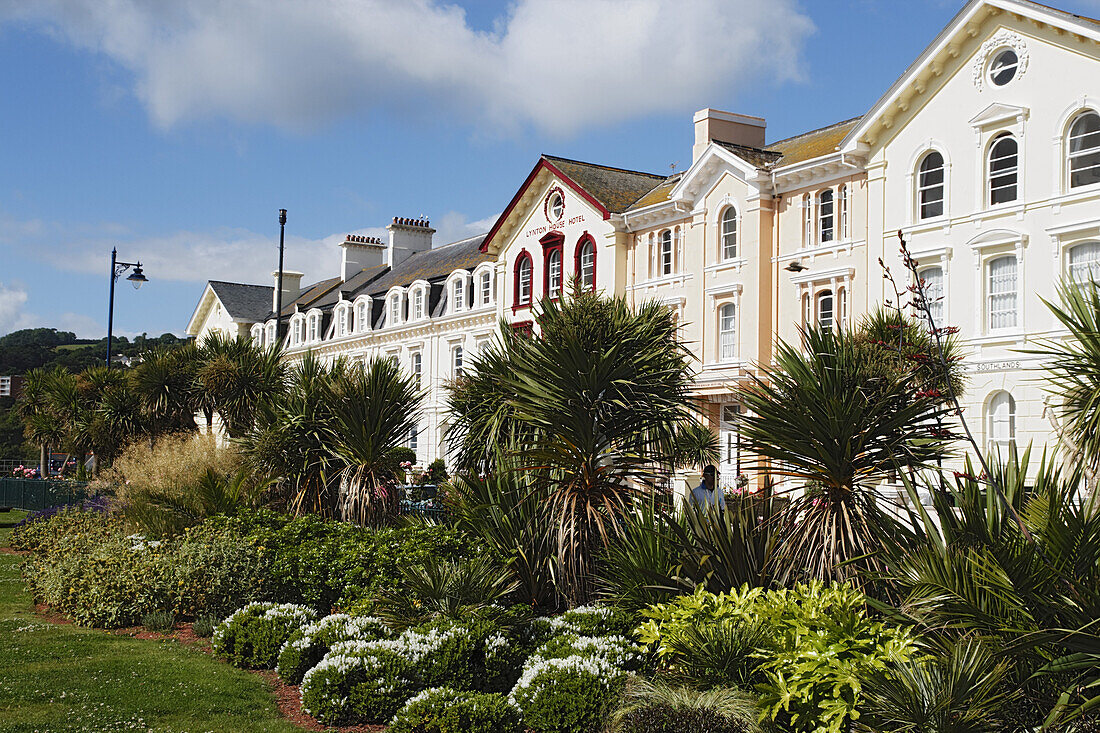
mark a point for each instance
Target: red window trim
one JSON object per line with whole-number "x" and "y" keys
{"x": 554, "y": 241}
{"x": 527, "y": 328}
{"x": 516, "y": 305}
{"x": 585, "y": 238}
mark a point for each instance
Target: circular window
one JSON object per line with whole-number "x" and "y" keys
{"x": 1003, "y": 68}
{"x": 557, "y": 206}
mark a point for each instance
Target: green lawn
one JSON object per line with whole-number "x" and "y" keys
{"x": 66, "y": 678}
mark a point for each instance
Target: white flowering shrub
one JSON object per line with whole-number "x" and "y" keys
{"x": 567, "y": 695}
{"x": 252, "y": 636}
{"x": 593, "y": 621}
{"x": 615, "y": 650}
{"x": 445, "y": 710}
{"x": 306, "y": 647}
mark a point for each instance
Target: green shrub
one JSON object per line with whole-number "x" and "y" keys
{"x": 308, "y": 645}
{"x": 159, "y": 621}
{"x": 360, "y": 682}
{"x": 615, "y": 650}
{"x": 204, "y": 626}
{"x": 252, "y": 636}
{"x": 444, "y": 710}
{"x": 214, "y": 571}
{"x": 50, "y": 534}
{"x": 567, "y": 695}
{"x": 594, "y": 621}
{"x": 821, "y": 643}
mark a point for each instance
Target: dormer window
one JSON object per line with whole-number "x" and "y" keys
{"x": 486, "y": 287}
{"x": 314, "y": 323}
{"x": 458, "y": 296}
{"x": 361, "y": 317}
{"x": 395, "y": 311}
{"x": 270, "y": 334}
{"x": 341, "y": 321}
{"x": 418, "y": 304}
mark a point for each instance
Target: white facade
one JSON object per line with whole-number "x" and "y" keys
{"x": 985, "y": 155}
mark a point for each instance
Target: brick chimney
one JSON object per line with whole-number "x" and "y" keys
{"x": 292, "y": 285}
{"x": 729, "y": 127}
{"x": 408, "y": 236}
{"x": 360, "y": 252}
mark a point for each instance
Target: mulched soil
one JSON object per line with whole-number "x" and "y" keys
{"x": 9, "y": 551}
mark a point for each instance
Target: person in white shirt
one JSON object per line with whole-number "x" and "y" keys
{"x": 707, "y": 492}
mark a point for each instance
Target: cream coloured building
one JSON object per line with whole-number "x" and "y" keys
{"x": 985, "y": 154}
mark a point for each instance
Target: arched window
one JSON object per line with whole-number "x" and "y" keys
{"x": 825, "y": 222}
{"x": 930, "y": 188}
{"x": 523, "y": 280}
{"x": 1083, "y": 150}
{"x": 586, "y": 263}
{"x": 553, "y": 273}
{"x": 313, "y": 320}
{"x": 727, "y": 332}
{"x": 456, "y": 361}
{"x": 417, "y": 303}
{"x": 1084, "y": 263}
{"x": 933, "y": 294}
{"x": 807, "y": 314}
{"x": 825, "y": 312}
{"x": 458, "y": 296}
{"x": 1002, "y": 292}
{"x": 341, "y": 321}
{"x": 678, "y": 238}
{"x": 1003, "y": 170}
{"x": 486, "y": 287}
{"x": 1001, "y": 422}
{"x": 270, "y": 334}
{"x": 666, "y": 252}
{"x": 842, "y": 307}
{"x": 416, "y": 366}
{"x": 729, "y": 233}
{"x": 361, "y": 317}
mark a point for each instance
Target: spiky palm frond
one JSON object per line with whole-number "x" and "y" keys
{"x": 838, "y": 419}
{"x": 444, "y": 589}
{"x": 962, "y": 689}
{"x": 721, "y": 708}
{"x": 236, "y": 377}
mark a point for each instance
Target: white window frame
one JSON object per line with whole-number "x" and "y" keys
{"x": 554, "y": 272}
{"x": 418, "y": 309}
{"x": 1091, "y": 265}
{"x": 416, "y": 367}
{"x": 587, "y": 264}
{"x": 526, "y": 284}
{"x": 993, "y": 443}
{"x": 457, "y": 358}
{"x": 937, "y": 296}
{"x": 807, "y": 221}
{"x": 923, "y": 189}
{"x": 826, "y": 216}
{"x": 667, "y": 253}
{"x": 819, "y": 299}
{"x": 1013, "y": 170}
{"x": 727, "y": 234}
{"x": 393, "y": 310}
{"x": 458, "y": 295}
{"x": 991, "y": 295}
{"x": 269, "y": 331}
{"x": 727, "y": 332}
{"x": 844, "y": 202}
{"x": 485, "y": 287}
{"x": 362, "y": 315}
{"x": 5, "y": 386}
{"x": 1071, "y": 156}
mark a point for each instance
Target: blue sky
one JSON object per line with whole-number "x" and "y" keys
{"x": 177, "y": 130}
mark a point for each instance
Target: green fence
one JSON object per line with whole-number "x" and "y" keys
{"x": 37, "y": 494}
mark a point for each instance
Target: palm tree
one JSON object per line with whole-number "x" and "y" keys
{"x": 235, "y": 376}
{"x": 374, "y": 409}
{"x": 839, "y": 417}
{"x": 38, "y": 426}
{"x": 1072, "y": 373}
{"x": 593, "y": 407}
{"x": 165, "y": 384}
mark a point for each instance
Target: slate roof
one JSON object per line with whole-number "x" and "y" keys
{"x": 812, "y": 144}
{"x": 242, "y": 301}
{"x": 432, "y": 264}
{"x": 308, "y": 296}
{"x": 615, "y": 188}
{"x": 757, "y": 156}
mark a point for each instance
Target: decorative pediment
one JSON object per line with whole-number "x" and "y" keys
{"x": 999, "y": 114}
{"x": 715, "y": 162}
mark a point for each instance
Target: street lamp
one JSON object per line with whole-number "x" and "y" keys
{"x": 137, "y": 279}
{"x": 279, "y": 285}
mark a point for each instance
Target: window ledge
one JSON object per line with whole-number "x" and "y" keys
{"x": 734, "y": 264}
{"x": 991, "y": 338}
{"x": 676, "y": 279}
{"x": 833, "y": 248}
{"x": 728, "y": 364}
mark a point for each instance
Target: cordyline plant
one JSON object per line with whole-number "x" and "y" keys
{"x": 593, "y": 406}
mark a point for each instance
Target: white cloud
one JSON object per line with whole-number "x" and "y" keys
{"x": 226, "y": 253}
{"x": 13, "y": 317}
{"x": 556, "y": 65}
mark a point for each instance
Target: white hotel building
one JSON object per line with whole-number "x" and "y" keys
{"x": 985, "y": 154}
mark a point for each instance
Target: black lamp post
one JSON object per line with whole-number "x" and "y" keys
{"x": 279, "y": 286}
{"x": 137, "y": 279}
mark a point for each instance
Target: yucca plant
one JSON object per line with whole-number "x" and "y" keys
{"x": 235, "y": 377}
{"x": 655, "y": 706}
